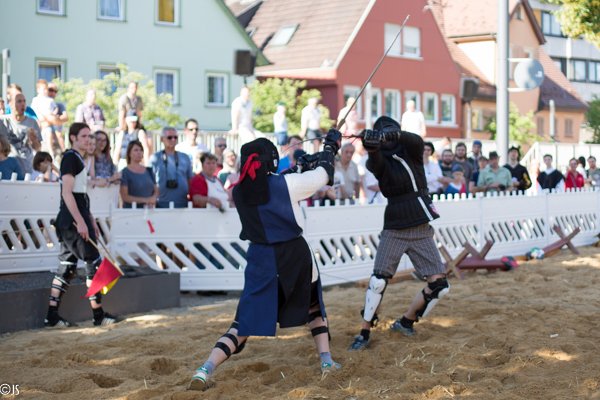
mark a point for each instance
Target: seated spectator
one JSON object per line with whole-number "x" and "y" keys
{"x": 460, "y": 158}
{"x": 231, "y": 180}
{"x": 172, "y": 171}
{"x": 44, "y": 168}
{"x": 135, "y": 131}
{"x": 593, "y": 173}
{"x": 482, "y": 163}
{"x": 103, "y": 163}
{"x": 190, "y": 145}
{"x": 220, "y": 146}
{"x": 14, "y": 88}
{"x": 495, "y": 178}
{"x": 90, "y": 112}
{"x": 206, "y": 190}
{"x": 137, "y": 182}
{"x": 520, "y": 175}
{"x": 229, "y": 159}
{"x": 446, "y": 167}
{"x": 550, "y": 178}
{"x": 574, "y": 179}
{"x": 8, "y": 165}
{"x": 433, "y": 172}
{"x": 349, "y": 170}
{"x": 293, "y": 143}
{"x": 457, "y": 186}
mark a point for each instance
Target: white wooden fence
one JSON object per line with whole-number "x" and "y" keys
{"x": 203, "y": 244}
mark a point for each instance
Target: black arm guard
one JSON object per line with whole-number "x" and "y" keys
{"x": 327, "y": 161}
{"x": 390, "y": 134}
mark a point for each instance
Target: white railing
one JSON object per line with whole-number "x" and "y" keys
{"x": 560, "y": 152}
{"x": 203, "y": 244}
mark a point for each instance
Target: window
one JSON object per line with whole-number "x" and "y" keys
{"x": 411, "y": 40}
{"x": 550, "y": 25}
{"x": 476, "y": 119}
{"x": 50, "y": 70}
{"x": 167, "y": 12}
{"x": 448, "y": 109}
{"x": 111, "y": 10}
{"x": 540, "y": 126}
{"x": 390, "y": 32}
{"x": 561, "y": 63}
{"x": 594, "y": 71}
{"x": 352, "y": 91}
{"x": 568, "y": 127}
{"x": 430, "y": 107}
{"x": 414, "y": 96}
{"x": 216, "y": 89}
{"x": 375, "y": 104}
{"x": 578, "y": 68}
{"x": 167, "y": 81}
{"x": 519, "y": 12}
{"x": 104, "y": 70}
{"x": 54, "y": 7}
{"x": 392, "y": 104}
{"x": 284, "y": 35}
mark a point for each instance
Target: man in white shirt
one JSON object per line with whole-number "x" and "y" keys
{"x": 433, "y": 172}
{"x": 413, "y": 121}
{"x": 241, "y": 117}
{"x": 190, "y": 146}
{"x": 311, "y": 123}
{"x": 46, "y": 109}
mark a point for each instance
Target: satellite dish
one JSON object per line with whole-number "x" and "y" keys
{"x": 529, "y": 74}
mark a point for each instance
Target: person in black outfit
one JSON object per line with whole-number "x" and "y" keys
{"x": 520, "y": 176}
{"x": 551, "y": 179}
{"x": 74, "y": 244}
{"x": 396, "y": 160}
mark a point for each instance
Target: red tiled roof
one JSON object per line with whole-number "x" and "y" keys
{"x": 557, "y": 87}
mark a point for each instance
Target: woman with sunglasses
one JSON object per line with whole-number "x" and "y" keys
{"x": 135, "y": 131}
{"x": 103, "y": 165}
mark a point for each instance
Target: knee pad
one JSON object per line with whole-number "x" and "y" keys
{"x": 65, "y": 274}
{"x": 91, "y": 267}
{"x": 377, "y": 286}
{"x": 319, "y": 329}
{"x": 439, "y": 289}
{"x": 97, "y": 297}
{"x": 223, "y": 347}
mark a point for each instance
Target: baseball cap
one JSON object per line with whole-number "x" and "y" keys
{"x": 281, "y": 103}
{"x": 458, "y": 168}
{"x": 475, "y": 142}
{"x": 493, "y": 154}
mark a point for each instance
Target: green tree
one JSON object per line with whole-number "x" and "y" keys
{"x": 157, "y": 107}
{"x": 579, "y": 17}
{"x": 593, "y": 118}
{"x": 519, "y": 126}
{"x": 265, "y": 96}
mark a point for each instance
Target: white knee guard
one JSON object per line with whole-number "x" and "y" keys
{"x": 439, "y": 289}
{"x": 373, "y": 298}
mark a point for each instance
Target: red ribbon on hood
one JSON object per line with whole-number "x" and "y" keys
{"x": 249, "y": 168}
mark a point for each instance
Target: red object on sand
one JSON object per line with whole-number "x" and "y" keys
{"x": 106, "y": 274}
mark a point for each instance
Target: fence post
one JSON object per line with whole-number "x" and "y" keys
{"x": 547, "y": 224}
{"x": 481, "y": 234}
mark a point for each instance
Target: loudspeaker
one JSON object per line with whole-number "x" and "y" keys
{"x": 244, "y": 62}
{"x": 468, "y": 88}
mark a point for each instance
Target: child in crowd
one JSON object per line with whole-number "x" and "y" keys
{"x": 43, "y": 168}
{"x": 457, "y": 186}
{"x": 8, "y": 165}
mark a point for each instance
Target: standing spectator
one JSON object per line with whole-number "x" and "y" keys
{"x": 482, "y": 162}
{"x": 351, "y": 125}
{"x": 433, "y": 172}
{"x": 23, "y": 132}
{"x": 280, "y": 124}
{"x": 311, "y": 123}
{"x": 229, "y": 162}
{"x": 138, "y": 184}
{"x": 14, "y": 88}
{"x": 61, "y": 117}
{"x": 360, "y": 159}
{"x": 130, "y": 101}
{"x": 476, "y": 155}
{"x": 190, "y": 146}
{"x": 460, "y": 158}
{"x": 444, "y": 144}
{"x": 206, "y": 190}
{"x": 2, "y": 107}
{"x": 349, "y": 171}
{"x": 220, "y": 146}
{"x": 457, "y": 186}
{"x": 104, "y": 166}
{"x": 520, "y": 175}
{"x": 90, "y": 112}
{"x": 446, "y": 167}
{"x": 46, "y": 109}
{"x": 495, "y": 178}
{"x": 413, "y": 121}
{"x": 44, "y": 168}
{"x": 8, "y": 165}
{"x": 550, "y": 178}
{"x": 172, "y": 171}
{"x": 135, "y": 131}
{"x": 293, "y": 143}
{"x": 593, "y": 173}
{"x": 89, "y": 159}
{"x": 574, "y": 179}
{"x": 241, "y": 117}
{"x": 581, "y": 166}
{"x": 372, "y": 191}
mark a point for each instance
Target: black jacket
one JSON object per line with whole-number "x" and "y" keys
{"x": 402, "y": 181}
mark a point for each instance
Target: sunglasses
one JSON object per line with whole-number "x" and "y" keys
{"x": 53, "y": 90}
{"x": 221, "y": 145}
{"x": 171, "y": 137}
{"x": 193, "y": 129}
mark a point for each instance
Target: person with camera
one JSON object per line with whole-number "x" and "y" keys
{"x": 495, "y": 178}
{"x": 172, "y": 172}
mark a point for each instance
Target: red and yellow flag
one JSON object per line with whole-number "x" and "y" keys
{"x": 105, "y": 278}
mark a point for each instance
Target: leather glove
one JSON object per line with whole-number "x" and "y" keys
{"x": 307, "y": 162}
{"x": 333, "y": 140}
{"x": 390, "y": 134}
{"x": 371, "y": 140}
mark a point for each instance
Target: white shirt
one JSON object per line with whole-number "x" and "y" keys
{"x": 43, "y": 105}
{"x": 216, "y": 191}
{"x": 412, "y": 122}
{"x": 361, "y": 163}
{"x": 192, "y": 151}
{"x": 373, "y": 197}
{"x": 311, "y": 118}
{"x": 432, "y": 173}
{"x": 245, "y": 109}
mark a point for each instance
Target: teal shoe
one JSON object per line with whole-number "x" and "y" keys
{"x": 199, "y": 380}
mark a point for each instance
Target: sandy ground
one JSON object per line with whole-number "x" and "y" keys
{"x": 493, "y": 337}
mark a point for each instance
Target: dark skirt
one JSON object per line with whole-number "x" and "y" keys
{"x": 277, "y": 288}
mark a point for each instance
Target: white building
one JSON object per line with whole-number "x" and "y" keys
{"x": 186, "y": 46}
